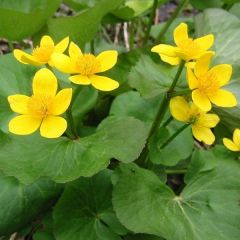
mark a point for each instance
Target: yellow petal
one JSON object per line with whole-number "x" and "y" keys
{"x": 62, "y": 45}
{"x": 165, "y": 49}
{"x": 236, "y": 137}
{"x": 24, "y": 124}
{"x": 107, "y": 60}
{"x": 80, "y": 79}
{"x": 45, "y": 83}
{"x": 19, "y": 103}
{"x": 230, "y": 145}
{"x": 222, "y": 72}
{"x": 203, "y": 134}
{"x": 171, "y": 60}
{"x": 202, "y": 64}
{"x": 46, "y": 41}
{"x": 53, "y": 127}
{"x": 179, "y": 109}
{"x": 63, "y": 63}
{"x": 192, "y": 80}
{"x": 103, "y": 83}
{"x": 61, "y": 101}
{"x": 208, "y": 120}
{"x": 205, "y": 42}
{"x": 223, "y": 98}
{"x": 180, "y": 33}
{"x": 74, "y": 51}
{"x": 25, "y": 58}
{"x": 201, "y": 100}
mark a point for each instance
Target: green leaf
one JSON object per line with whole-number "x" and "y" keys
{"x": 85, "y": 210}
{"x": 207, "y": 208}
{"x": 202, "y": 4}
{"x": 152, "y": 79}
{"x": 23, "y": 18}
{"x": 65, "y": 160}
{"x": 142, "y": 237}
{"x": 82, "y": 27}
{"x": 21, "y": 204}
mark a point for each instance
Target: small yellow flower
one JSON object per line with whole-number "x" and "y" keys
{"x": 206, "y": 84}
{"x": 235, "y": 144}
{"x": 42, "y": 108}
{"x": 42, "y": 54}
{"x": 187, "y": 49}
{"x": 86, "y": 66}
{"x": 200, "y": 121}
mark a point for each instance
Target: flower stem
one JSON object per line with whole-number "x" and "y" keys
{"x": 72, "y": 127}
{"x": 174, "y": 135}
{"x": 161, "y": 113}
{"x": 170, "y": 20}
{"x": 92, "y": 46}
{"x": 175, "y": 171}
{"x": 180, "y": 93}
{"x": 151, "y": 18}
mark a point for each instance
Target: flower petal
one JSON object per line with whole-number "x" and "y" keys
{"x": 192, "y": 80}
{"x": 19, "y": 103}
{"x": 107, "y": 60}
{"x": 62, "y": 45}
{"x": 202, "y": 64}
{"x": 222, "y": 72}
{"x": 74, "y": 51}
{"x": 203, "y": 134}
{"x": 205, "y": 42}
{"x": 179, "y": 109}
{"x": 230, "y": 145}
{"x": 170, "y": 60}
{"x": 61, "y": 101}
{"x": 24, "y": 124}
{"x": 223, "y": 98}
{"x": 53, "y": 127}
{"x": 208, "y": 120}
{"x": 103, "y": 83}
{"x": 46, "y": 41}
{"x": 26, "y": 58}
{"x": 201, "y": 100}
{"x": 236, "y": 137}
{"x": 63, "y": 63}
{"x": 180, "y": 33}
{"x": 45, "y": 82}
{"x": 165, "y": 49}
{"x": 80, "y": 79}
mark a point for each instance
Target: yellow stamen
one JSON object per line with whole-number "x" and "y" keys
{"x": 189, "y": 48}
{"x": 208, "y": 83}
{"x": 43, "y": 53}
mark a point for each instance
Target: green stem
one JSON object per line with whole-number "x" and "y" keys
{"x": 131, "y": 35}
{"x": 170, "y": 20}
{"x": 160, "y": 115}
{"x": 174, "y": 135}
{"x": 151, "y": 18}
{"x": 92, "y": 47}
{"x": 10, "y": 45}
{"x": 73, "y": 134}
{"x": 180, "y": 93}
{"x": 167, "y": 121}
{"x": 175, "y": 171}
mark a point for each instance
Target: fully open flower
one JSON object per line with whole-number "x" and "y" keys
{"x": 200, "y": 121}
{"x": 206, "y": 84}
{"x": 187, "y": 48}
{"x": 235, "y": 144}
{"x": 42, "y": 108}
{"x": 42, "y": 54}
{"x": 85, "y": 66}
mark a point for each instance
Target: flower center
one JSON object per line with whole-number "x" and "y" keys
{"x": 43, "y": 53}
{"x": 208, "y": 83}
{"x": 40, "y": 105}
{"x": 194, "y": 114}
{"x": 189, "y": 48}
{"x": 87, "y": 64}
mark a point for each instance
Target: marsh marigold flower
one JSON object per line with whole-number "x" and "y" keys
{"x": 187, "y": 49}
{"x": 42, "y": 54}
{"x": 200, "y": 121}
{"x": 86, "y": 66}
{"x": 42, "y": 108}
{"x": 206, "y": 84}
{"x": 235, "y": 144}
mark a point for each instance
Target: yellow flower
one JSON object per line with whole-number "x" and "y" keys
{"x": 235, "y": 144}
{"x": 42, "y": 108}
{"x": 86, "y": 66}
{"x": 42, "y": 54}
{"x": 200, "y": 121}
{"x": 206, "y": 84}
{"x": 187, "y": 49}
